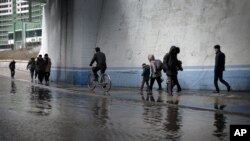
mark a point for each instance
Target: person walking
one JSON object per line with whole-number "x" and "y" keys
{"x": 219, "y": 68}
{"x": 47, "y": 68}
{"x": 170, "y": 64}
{"x": 40, "y": 63}
{"x": 31, "y": 66}
{"x": 155, "y": 73}
{"x": 12, "y": 67}
{"x": 36, "y": 70}
{"x": 145, "y": 76}
{"x": 179, "y": 68}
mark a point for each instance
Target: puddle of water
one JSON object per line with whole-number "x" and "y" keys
{"x": 34, "y": 113}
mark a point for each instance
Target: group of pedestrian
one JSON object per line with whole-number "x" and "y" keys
{"x": 171, "y": 65}
{"x": 39, "y": 68}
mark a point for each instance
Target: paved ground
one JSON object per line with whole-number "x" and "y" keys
{"x": 64, "y": 112}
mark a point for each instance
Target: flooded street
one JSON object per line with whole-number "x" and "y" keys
{"x": 30, "y": 112}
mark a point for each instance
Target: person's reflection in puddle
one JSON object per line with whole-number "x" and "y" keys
{"x": 172, "y": 125}
{"x": 173, "y": 99}
{"x": 13, "y": 87}
{"x": 40, "y": 101}
{"x": 149, "y": 97}
{"x": 152, "y": 114}
{"x": 219, "y": 119}
{"x": 100, "y": 111}
{"x": 160, "y": 97}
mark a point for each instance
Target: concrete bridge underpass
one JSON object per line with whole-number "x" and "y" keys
{"x": 128, "y": 30}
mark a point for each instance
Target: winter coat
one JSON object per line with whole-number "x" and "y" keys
{"x": 100, "y": 60}
{"x": 219, "y": 62}
{"x": 31, "y": 65}
{"x": 47, "y": 64}
{"x": 170, "y": 62}
{"x": 154, "y": 72}
{"x": 12, "y": 65}
{"x": 146, "y": 72}
{"x": 40, "y": 65}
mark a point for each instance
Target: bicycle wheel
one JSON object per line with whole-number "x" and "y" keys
{"x": 106, "y": 83}
{"x": 91, "y": 83}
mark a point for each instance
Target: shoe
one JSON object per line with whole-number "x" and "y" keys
{"x": 216, "y": 91}
{"x": 229, "y": 89}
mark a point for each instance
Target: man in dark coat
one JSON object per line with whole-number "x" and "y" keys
{"x": 100, "y": 60}
{"x": 12, "y": 67}
{"x": 41, "y": 66}
{"x": 219, "y": 68}
{"x": 170, "y": 66}
{"x": 31, "y": 66}
{"x": 179, "y": 68}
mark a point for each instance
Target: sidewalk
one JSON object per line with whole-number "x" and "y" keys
{"x": 232, "y": 103}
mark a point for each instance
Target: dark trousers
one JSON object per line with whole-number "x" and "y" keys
{"x": 176, "y": 82}
{"x": 152, "y": 81}
{"x": 36, "y": 74}
{"x": 40, "y": 76}
{"x": 145, "y": 80}
{"x": 170, "y": 84}
{"x": 219, "y": 76}
{"x": 47, "y": 75}
{"x": 32, "y": 73}
{"x": 12, "y": 72}
{"x": 96, "y": 69}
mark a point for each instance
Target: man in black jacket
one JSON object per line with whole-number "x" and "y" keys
{"x": 170, "y": 67}
{"x": 100, "y": 60}
{"x": 41, "y": 66}
{"x": 219, "y": 68}
{"x": 12, "y": 67}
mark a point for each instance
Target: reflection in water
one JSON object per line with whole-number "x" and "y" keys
{"x": 160, "y": 97}
{"x": 40, "y": 101}
{"x": 149, "y": 97}
{"x": 13, "y": 87}
{"x": 172, "y": 125}
{"x": 100, "y": 111}
{"x": 219, "y": 119}
{"x": 154, "y": 116}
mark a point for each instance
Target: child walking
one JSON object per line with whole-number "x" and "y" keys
{"x": 145, "y": 76}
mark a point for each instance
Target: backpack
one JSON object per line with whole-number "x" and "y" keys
{"x": 158, "y": 65}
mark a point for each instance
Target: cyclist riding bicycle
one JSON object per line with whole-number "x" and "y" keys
{"x": 100, "y": 60}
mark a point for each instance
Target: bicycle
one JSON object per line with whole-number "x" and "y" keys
{"x": 104, "y": 81}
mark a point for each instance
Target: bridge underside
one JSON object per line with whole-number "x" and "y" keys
{"x": 127, "y": 31}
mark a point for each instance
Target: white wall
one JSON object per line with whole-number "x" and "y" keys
{"x": 128, "y": 30}
{"x": 132, "y": 29}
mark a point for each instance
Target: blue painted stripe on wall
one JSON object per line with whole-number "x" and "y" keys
{"x": 192, "y": 79}
{"x": 135, "y": 68}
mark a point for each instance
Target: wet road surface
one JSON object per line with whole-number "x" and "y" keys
{"x": 31, "y": 112}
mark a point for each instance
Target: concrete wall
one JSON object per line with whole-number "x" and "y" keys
{"x": 128, "y": 30}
